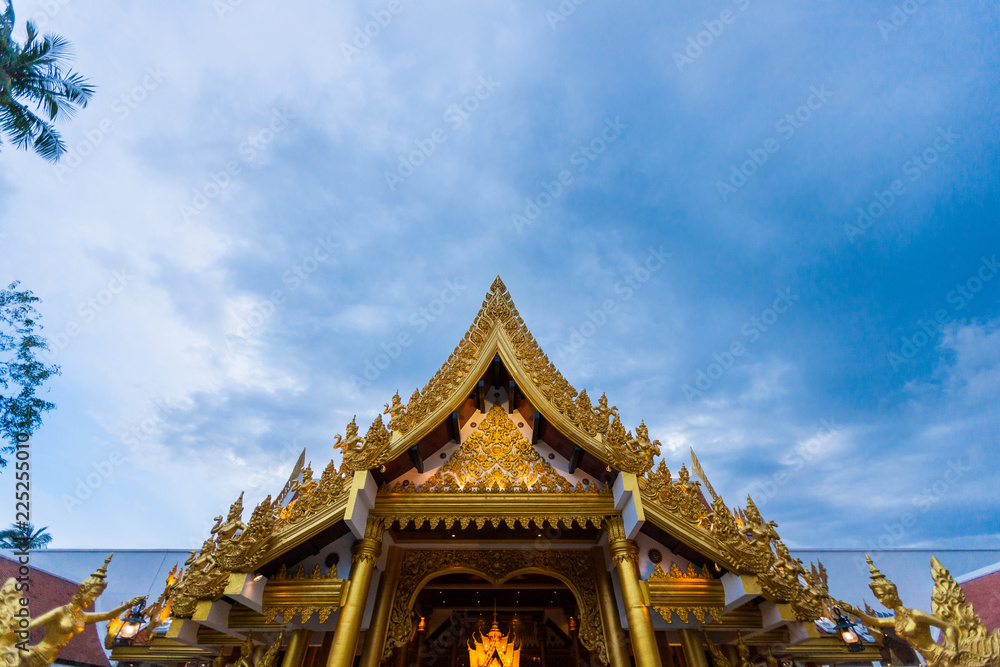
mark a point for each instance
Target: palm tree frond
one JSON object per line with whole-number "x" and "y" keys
{"x": 33, "y": 73}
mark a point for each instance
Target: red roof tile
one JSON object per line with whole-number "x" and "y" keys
{"x": 47, "y": 591}
{"x": 983, "y": 593}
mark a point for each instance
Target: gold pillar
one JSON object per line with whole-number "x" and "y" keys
{"x": 640, "y": 627}
{"x": 364, "y": 555}
{"x": 613, "y": 633}
{"x": 296, "y": 651}
{"x": 371, "y": 653}
{"x": 694, "y": 652}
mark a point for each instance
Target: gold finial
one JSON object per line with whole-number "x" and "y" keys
{"x": 102, "y": 571}
{"x": 100, "y": 576}
{"x": 876, "y": 575}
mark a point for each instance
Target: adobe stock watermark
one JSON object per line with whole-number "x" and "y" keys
{"x": 913, "y": 169}
{"x": 901, "y": 13}
{"x": 134, "y": 437}
{"x": 581, "y": 159}
{"x": 419, "y": 320}
{"x": 87, "y": 311}
{"x": 751, "y": 331}
{"x": 785, "y": 127}
{"x": 455, "y": 115}
{"x": 293, "y": 278}
{"x": 49, "y": 9}
{"x": 247, "y": 151}
{"x": 794, "y": 461}
{"x": 363, "y": 35}
{"x": 922, "y": 502}
{"x": 121, "y": 108}
{"x": 699, "y": 42}
{"x": 290, "y": 451}
{"x": 959, "y": 297}
{"x": 625, "y": 288}
{"x": 562, "y": 12}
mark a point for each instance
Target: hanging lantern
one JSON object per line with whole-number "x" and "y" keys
{"x": 132, "y": 624}
{"x": 848, "y": 632}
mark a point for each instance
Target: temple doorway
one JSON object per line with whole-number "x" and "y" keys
{"x": 536, "y": 614}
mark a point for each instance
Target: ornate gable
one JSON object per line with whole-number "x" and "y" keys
{"x": 498, "y": 330}
{"x": 497, "y": 458}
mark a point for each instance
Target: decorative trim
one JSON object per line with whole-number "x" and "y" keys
{"x": 573, "y": 567}
{"x": 684, "y": 593}
{"x": 298, "y": 594}
{"x": 496, "y": 458}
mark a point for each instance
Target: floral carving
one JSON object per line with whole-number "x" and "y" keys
{"x": 496, "y": 458}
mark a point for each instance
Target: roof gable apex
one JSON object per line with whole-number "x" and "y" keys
{"x": 499, "y": 330}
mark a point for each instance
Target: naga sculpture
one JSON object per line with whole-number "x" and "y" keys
{"x": 61, "y": 624}
{"x": 366, "y": 453}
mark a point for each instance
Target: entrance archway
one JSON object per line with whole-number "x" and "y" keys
{"x": 451, "y": 609}
{"x": 573, "y": 568}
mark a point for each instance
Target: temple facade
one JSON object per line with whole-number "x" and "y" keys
{"x": 497, "y": 517}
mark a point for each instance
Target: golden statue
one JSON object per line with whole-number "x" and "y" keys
{"x": 307, "y": 483}
{"x": 61, "y": 624}
{"x": 743, "y": 651}
{"x": 495, "y": 649}
{"x": 719, "y": 658}
{"x": 398, "y": 420}
{"x": 966, "y": 642}
{"x": 363, "y": 453}
{"x": 259, "y": 657}
{"x": 268, "y": 657}
{"x": 603, "y": 414}
{"x": 223, "y": 531}
{"x": 204, "y": 559}
{"x": 246, "y": 652}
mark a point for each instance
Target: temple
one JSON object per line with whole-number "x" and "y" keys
{"x": 499, "y": 516}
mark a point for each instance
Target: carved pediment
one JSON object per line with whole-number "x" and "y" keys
{"x": 496, "y": 458}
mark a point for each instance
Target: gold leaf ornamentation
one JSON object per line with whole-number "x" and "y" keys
{"x": 496, "y": 458}
{"x": 366, "y": 453}
{"x": 573, "y": 567}
{"x": 682, "y": 497}
{"x": 692, "y": 591}
{"x": 303, "y": 594}
{"x": 399, "y": 421}
{"x": 202, "y": 579}
{"x": 238, "y": 547}
{"x": 809, "y": 601}
{"x": 627, "y": 453}
{"x": 719, "y": 658}
{"x": 499, "y": 313}
{"x": 965, "y": 641}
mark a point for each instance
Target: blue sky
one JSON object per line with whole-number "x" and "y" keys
{"x": 259, "y": 202}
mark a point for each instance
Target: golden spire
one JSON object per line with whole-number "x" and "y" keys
{"x": 100, "y": 576}
{"x": 876, "y": 574}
